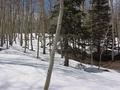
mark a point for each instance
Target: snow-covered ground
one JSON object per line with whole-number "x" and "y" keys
{"x": 22, "y": 71}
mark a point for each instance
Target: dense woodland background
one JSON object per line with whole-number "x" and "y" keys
{"x": 89, "y": 31}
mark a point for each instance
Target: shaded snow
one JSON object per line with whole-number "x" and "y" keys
{"x": 22, "y": 71}
{"x": 19, "y": 72}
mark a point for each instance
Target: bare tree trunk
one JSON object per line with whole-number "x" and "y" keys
{"x": 43, "y": 24}
{"x": 61, "y": 44}
{"x": 26, "y": 26}
{"x": 2, "y": 3}
{"x": 113, "y": 34}
{"x": 38, "y": 45}
{"x": 100, "y": 60}
{"x": 66, "y": 62}
{"x": 31, "y": 25}
{"x": 50, "y": 68}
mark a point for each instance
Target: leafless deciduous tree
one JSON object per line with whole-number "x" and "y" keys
{"x": 51, "y": 63}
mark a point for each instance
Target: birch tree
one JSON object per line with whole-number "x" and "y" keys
{"x": 52, "y": 54}
{"x": 42, "y": 10}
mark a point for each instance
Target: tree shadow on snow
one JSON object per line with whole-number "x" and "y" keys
{"x": 35, "y": 65}
{"x": 95, "y": 70}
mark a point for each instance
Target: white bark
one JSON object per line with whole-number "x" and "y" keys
{"x": 50, "y": 68}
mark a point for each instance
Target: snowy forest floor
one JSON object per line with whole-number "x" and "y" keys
{"x": 108, "y": 63}
{"x": 22, "y": 71}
